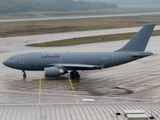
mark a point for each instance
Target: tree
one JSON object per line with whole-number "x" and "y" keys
{"x": 9, "y": 6}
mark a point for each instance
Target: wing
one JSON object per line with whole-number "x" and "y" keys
{"x": 76, "y": 66}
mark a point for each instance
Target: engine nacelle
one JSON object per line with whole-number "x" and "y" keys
{"x": 53, "y": 72}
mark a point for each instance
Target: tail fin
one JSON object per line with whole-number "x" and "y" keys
{"x": 140, "y": 40}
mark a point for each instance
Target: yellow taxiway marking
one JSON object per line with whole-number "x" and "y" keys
{"x": 40, "y": 91}
{"x": 75, "y": 96}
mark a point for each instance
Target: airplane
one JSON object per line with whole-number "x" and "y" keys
{"x": 56, "y": 64}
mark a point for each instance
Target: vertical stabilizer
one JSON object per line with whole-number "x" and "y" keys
{"x": 140, "y": 40}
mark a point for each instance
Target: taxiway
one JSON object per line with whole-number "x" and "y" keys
{"x": 134, "y": 85}
{"x": 76, "y": 17}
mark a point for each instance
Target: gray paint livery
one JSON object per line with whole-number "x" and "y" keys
{"x": 55, "y": 64}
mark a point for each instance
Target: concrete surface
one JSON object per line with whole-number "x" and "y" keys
{"x": 136, "y": 82}
{"x": 76, "y": 17}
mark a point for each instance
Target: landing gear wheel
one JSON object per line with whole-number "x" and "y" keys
{"x": 74, "y": 75}
{"x": 24, "y": 74}
{"x": 77, "y": 76}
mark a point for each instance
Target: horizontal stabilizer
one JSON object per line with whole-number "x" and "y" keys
{"x": 141, "y": 54}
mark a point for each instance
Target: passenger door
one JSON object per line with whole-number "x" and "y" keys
{"x": 114, "y": 57}
{"x": 21, "y": 60}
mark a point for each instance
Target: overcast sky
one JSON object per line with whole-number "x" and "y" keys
{"x": 130, "y": 1}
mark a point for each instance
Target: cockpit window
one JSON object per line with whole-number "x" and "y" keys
{"x": 11, "y": 58}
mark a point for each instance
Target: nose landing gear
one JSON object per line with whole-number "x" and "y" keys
{"x": 24, "y": 74}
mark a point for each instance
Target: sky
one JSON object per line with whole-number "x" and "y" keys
{"x": 130, "y": 1}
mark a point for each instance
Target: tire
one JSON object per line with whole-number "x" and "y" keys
{"x": 77, "y": 76}
{"x": 24, "y": 75}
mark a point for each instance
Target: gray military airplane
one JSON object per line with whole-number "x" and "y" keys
{"x": 55, "y": 64}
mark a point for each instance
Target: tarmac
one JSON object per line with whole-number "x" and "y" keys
{"x": 136, "y": 82}
{"x": 42, "y": 17}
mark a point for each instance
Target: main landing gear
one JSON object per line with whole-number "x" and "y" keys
{"x": 74, "y": 75}
{"x": 24, "y": 74}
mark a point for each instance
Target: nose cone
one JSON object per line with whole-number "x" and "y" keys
{"x": 8, "y": 63}
{"x": 5, "y": 63}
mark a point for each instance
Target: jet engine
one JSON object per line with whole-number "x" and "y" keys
{"x": 53, "y": 72}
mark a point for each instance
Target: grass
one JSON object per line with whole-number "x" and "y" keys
{"x": 57, "y": 26}
{"x": 18, "y": 15}
{"x": 11, "y": 29}
{"x": 86, "y": 40}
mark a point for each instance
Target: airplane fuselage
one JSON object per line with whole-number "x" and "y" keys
{"x": 39, "y": 61}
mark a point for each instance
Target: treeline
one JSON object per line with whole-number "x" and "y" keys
{"x": 12, "y": 6}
